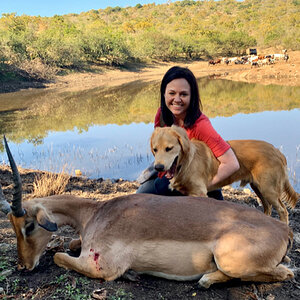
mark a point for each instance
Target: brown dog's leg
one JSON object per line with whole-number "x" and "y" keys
{"x": 270, "y": 196}
{"x": 266, "y": 205}
{"x": 208, "y": 279}
{"x": 282, "y": 211}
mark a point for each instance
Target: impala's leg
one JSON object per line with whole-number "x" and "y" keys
{"x": 279, "y": 273}
{"x": 75, "y": 245}
{"x": 90, "y": 266}
{"x": 286, "y": 260}
{"x": 78, "y": 264}
{"x": 243, "y": 255}
{"x": 208, "y": 279}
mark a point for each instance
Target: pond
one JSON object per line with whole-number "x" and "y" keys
{"x": 105, "y": 132}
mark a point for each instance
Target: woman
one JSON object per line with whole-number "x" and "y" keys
{"x": 181, "y": 105}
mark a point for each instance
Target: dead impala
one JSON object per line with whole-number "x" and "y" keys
{"x": 180, "y": 238}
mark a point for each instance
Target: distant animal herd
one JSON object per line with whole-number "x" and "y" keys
{"x": 252, "y": 60}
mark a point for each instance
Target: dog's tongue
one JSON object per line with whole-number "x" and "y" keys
{"x": 170, "y": 173}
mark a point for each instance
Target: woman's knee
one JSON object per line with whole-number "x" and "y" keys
{"x": 148, "y": 187}
{"x": 158, "y": 186}
{"x": 162, "y": 187}
{"x": 216, "y": 194}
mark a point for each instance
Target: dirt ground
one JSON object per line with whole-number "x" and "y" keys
{"x": 281, "y": 73}
{"x": 49, "y": 281}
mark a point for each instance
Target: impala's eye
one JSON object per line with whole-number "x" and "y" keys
{"x": 169, "y": 149}
{"x": 29, "y": 228}
{"x": 154, "y": 150}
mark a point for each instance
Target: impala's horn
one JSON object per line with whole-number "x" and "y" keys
{"x": 16, "y": 206}
{"x": 4, "y": 205}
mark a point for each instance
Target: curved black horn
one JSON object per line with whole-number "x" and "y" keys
{"x": 16, "y": 206}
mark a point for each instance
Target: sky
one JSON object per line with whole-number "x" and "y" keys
{"x": 44, "y": 8}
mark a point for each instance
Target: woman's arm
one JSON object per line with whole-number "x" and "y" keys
{"x": 228, "y": 165}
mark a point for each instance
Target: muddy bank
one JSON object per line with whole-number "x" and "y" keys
{"x": 280, "y": 73}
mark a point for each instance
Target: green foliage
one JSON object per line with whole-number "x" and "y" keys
{"x": 185, "y": 3}
{"x": 236, "y": 41}
{"x": 15, "y": 285}
{"x": 121, "y": 294}
{"x": 3, "y": 266}
{"x": 70, "y": 287}
{"x": 186, "y": 29}
{"x": 272, "y": 37}
{"x": 106, "y": 46}
{"x": 153, "y": 44}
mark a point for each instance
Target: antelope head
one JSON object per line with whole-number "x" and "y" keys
{"x": 31, "y": 223}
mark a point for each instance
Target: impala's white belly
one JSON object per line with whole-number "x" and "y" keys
{"x": 173, "y": 277}
{"x": 173, "y": 260}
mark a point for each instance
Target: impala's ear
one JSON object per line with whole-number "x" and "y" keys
{"x": 182, "y": 138}
{"x": 44, "y": 220}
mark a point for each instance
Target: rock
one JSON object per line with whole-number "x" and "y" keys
{"x": 100, "y": 294}
{"x": 6, "y": 272}
{"x": 247, "y": 191}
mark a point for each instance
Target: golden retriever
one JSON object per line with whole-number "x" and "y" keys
{"x": 191, "y": 165}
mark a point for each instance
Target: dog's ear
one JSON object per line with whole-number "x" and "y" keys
{"x": 152, "y": 137}
{"x": 182, "y": 137}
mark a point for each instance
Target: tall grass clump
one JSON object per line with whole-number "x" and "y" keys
{"x": 47, "y": 184}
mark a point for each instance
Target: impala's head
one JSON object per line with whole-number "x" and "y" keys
{"x": 31, "y": 223}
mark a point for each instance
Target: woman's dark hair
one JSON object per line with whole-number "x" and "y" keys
{"x": 194, "y": 110}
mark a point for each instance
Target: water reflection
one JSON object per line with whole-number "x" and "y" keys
{"x": 105, "y": 132}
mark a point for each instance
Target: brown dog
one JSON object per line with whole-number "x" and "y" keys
{"x": 192, "y": 165}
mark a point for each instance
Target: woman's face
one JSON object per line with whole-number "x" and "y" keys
{"x": 178, "y": 97}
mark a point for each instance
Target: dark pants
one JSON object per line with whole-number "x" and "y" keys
{"x": 160, "y": 186}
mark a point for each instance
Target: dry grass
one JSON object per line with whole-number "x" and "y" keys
{"x": 48, "y": 184}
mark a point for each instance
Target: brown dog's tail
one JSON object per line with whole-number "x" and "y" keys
{"x": 289, "y": 196}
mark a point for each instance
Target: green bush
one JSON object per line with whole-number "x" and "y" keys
{"x": 184, "y": 29}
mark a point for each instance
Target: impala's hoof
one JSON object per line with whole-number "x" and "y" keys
{"x": 131, "y": 276}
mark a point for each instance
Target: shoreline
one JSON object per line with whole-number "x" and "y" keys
{"x": 99, "y": 189}
{"x": 280, "y": 73}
